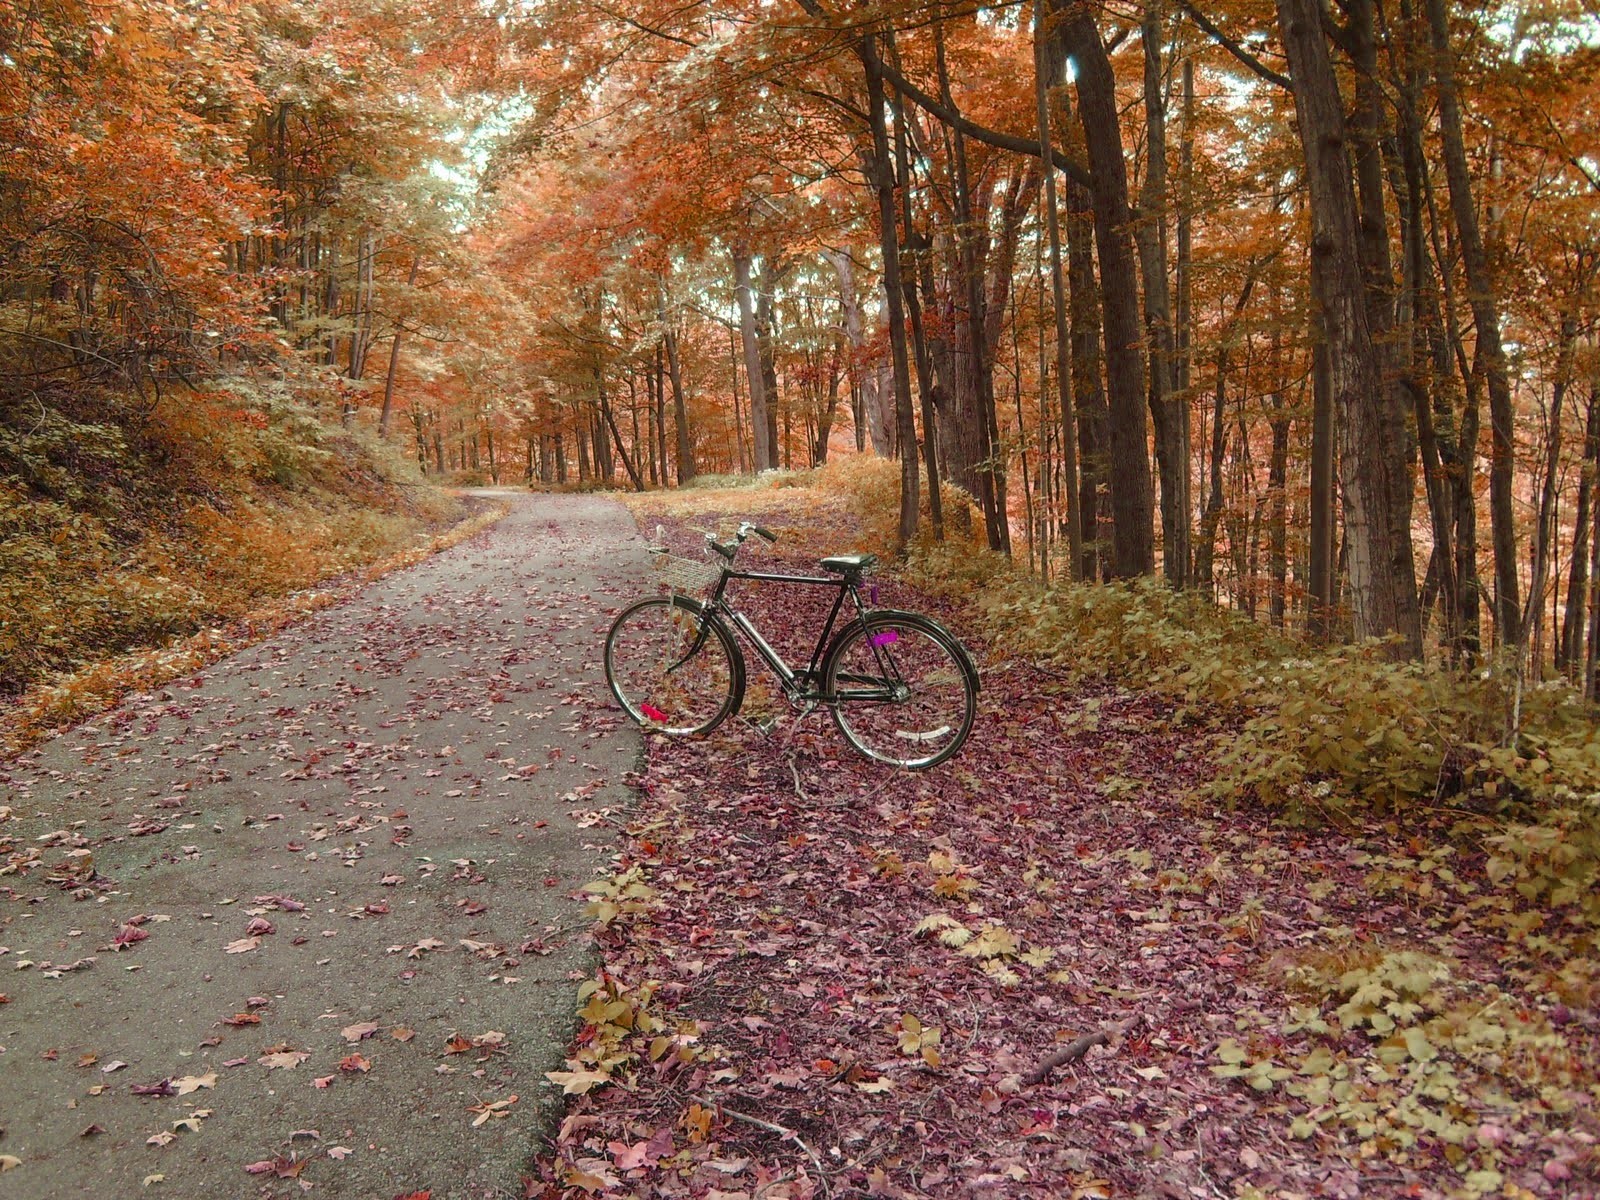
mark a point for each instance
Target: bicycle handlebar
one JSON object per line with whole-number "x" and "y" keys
{"x": 729, "y": 549}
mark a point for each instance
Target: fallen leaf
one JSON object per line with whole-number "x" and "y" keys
{"x": 190, "y": 1083}
{"x": 7, "y": 1161}
{"x": 492, "y": 1109}
{"x": 323, "y": 1081}
{"x": 164, "y": 1138}
{"x": 339, "y": 1153}
{"x": 242, "y": 945}
{"x": 116, "y": 1064}
{"x": 354, "y": 1064}
{"x": 283, "y": 1059}
{"x": 93, "y": 1129}
{"x": 239, "y": 1019}
{"x": 355, "y": 1033}
{"x": 149, "y": 1179}
{"x": 401, "y": 1034}
{"x": 577, "y": 1083}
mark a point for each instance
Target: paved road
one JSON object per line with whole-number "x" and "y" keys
{"x": 372, "y": 825}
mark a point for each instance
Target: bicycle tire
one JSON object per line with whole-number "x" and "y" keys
{"x": 898, "y": 680}
{"x": 674, "y": 667}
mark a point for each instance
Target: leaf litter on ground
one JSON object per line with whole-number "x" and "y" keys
{"x": 1025, "y": 974}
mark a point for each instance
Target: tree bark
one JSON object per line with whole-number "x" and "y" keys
{"x": 882, "y": 176}
{"x": 1486, "y": 319}
{"x": 1172, "y": 448}
{"x": 1047, "y": 67}
{"x": 1132, "y": 505}
{"x": 1383, "y": 586}
{"x": 755, "y": 378}
{"x": 680, "y": 412}
{"x": 1570, "y": 647}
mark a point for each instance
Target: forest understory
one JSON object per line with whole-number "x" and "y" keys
{"x": 1058, "y": 966}
{"x": 136, "y": 546}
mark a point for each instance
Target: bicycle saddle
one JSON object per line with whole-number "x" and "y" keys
{"x": 849, "y": 565}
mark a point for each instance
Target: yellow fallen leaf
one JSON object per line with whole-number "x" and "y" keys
{"x": 494, "y": 1108}
{"x": 149, "y": 1179}
{"x": 190, "y": 1083}
{"x": 7, "y": 1161}
{"x": 576, "y": 1083}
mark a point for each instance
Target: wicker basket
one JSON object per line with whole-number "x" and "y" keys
{"x": 683, "y": 574}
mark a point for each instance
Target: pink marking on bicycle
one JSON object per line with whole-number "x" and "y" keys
{"x": 651, "y": 711}
{"x": 885, "y": 638}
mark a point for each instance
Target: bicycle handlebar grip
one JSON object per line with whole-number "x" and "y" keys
{"x": 766, "y": 533}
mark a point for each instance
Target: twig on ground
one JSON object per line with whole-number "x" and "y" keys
{"x": 798, "y": 790}
{"x": 1076, "y": 1049}
{"x": 787, "y": 1134}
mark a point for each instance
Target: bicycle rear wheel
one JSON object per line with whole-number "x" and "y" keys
{"x": 673, "y": 667}
{"x": 903, "y": 690}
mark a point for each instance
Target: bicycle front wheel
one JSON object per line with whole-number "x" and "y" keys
{"x": 673, "y": 667}
{"x": 903, "y": 691}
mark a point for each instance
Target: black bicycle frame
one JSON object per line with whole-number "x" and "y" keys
{"x": 801, "y": 686}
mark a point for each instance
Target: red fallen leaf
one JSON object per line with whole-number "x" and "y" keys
{"x": 399, "y": 814}
{"x": 354, "y": 1064}
{"x": 300, "y": 940}
{"x": 243, "y": 1018}
{"x": 423, "y": 1195}
{"x": 457, "y": 1044}
{"x": 257, "y": 1002}
{"x": 4, "y": 999}
{"x": 259, "y": 926}
{"x": 128, "y": 935}
{"x": 235, "y": 1062}
{"x": 258, "y": 1168}
{"x": 295, "y": 847}
{"x": 473, "y": 907}
{"x": 93, "y": 1129}
{"x": 163, "y": 1087}
{"x": 50, "y": 1055}
{"x": 378, "y": 909}
{"x": 323, "y": 1081}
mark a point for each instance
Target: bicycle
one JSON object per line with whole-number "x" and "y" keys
{"x": 902, "y": 689}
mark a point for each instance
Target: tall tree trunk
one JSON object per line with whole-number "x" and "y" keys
{"x": 1486, "y": 320}
{"x": 1047, "y": 67}
{"x": 1128, "y": 465}
{"x": 919, "y": 246}
{"x": 1278, "y": 507}
{"x": 1088, "y": 385}
{"x": 394, "y": 358}
{"x": 1372, "y": 467}
{"x": 1172, "y": 449}
{"x": 882, "y": 175}
{"x": 754, "y": 376}
{"x": 1570, "y": 648}
{"x": 611, "y": 423}
{"x": 680, "y": 412}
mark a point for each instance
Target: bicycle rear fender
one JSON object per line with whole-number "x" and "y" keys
{"x": 897, "y": 614}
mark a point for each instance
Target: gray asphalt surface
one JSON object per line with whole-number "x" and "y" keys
{"x": 313, "y": 908}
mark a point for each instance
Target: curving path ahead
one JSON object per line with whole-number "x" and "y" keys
{"x": 311, "y": 912}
